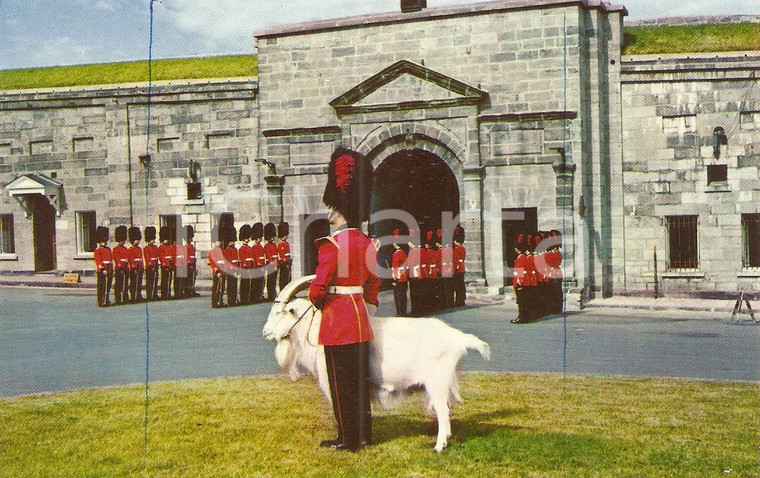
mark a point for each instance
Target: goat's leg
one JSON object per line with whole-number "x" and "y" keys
{"x": 440, "y": 402}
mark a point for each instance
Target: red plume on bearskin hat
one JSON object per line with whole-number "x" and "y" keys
{"x": 349, "y": 186}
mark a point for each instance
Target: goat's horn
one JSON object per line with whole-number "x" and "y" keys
{"x": 290, "y": 290}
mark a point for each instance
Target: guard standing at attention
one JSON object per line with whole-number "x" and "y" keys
{"x": 136, "y": 265}
{"x": 460, "y": 254}
{"x": 192, "y": 262}
{"x": 246, "y": 264}
{"x": 426, "y": 257}
{"x": 180, "y": 270}
{"x": 555, "y": 262}
{"x": 414, "y": 267}
{"x": 152, "y": 263}
{"x": 284, "y": 261}
{"x": 121, "y": 266}
{"x": 166, "y": 259}
{"x": 103, "y": 266}
{"x": 346, "y": 290}
{"x": 259, "y": 264}
{"x": 447, "y": 273}
{"x": 399, "y": 274}
{"x": 217, "y": 263}
{"x": 530, "y": 282}
{"x": 233, "y": 261}
{"x": 270, "y": 249}
{"x": 518, "y": 279}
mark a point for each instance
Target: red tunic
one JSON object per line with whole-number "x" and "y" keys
{"x": 424, "y": 263}
{"x": 121, "y": 257}
{"x": 554, "y": 260}
{"x": 270, "y": 249}
{"x": 246, "y": 256}
{"x": 399, "y": 266}
{"x": 447, "y": 262}
{"x": 103, "y": 259}
{"x": 531, "y": 277}
{"x": 543, "y": 270}
{"x": 166, "y": 255}
{"x": 347, "y": 258}
{"x": 459, "y": 256}
{"x": 216, "y": 260}
{"x": 518, "y": 274}
{"x": 136, "y": 258}
{"x": 259, "y": 255}
{"x": 150, "y": 253}
{"x": 283, "y": 252}
{"x": 232, "y": 258}
{"x": 191, "y": 259}
{"x": 414, "y": 263}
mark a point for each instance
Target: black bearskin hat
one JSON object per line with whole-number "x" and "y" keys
{"x": 101, "y": 234}
{"x": 134, "y": 234}
{"x": 459, "y": 234}
{"x": 269, "y": 231}
{"x": 257, "y": 230}
{"x": 120, "y": 235}
{"x": 349, "y": 186}
{"x": 520, "y": 242}
{"x": 283, "y": 229}
{"x": 189, "y": 233}
{"x": 231, "y": 235}
{"x": 163, "y": 233}
{"x": 150, "y": 233}
{"x": 245, "y": 232}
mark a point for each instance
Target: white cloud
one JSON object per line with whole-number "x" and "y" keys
{"x": 61, "y": 50}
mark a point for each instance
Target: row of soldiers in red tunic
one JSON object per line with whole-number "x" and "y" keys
{"x": 431, "y": 270}
{"x": 167, "y": 270}
{"x": 537, "y": 275}
{"x": 246, "y": 273}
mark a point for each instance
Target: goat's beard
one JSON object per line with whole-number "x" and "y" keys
{"x": 285, "y": 358}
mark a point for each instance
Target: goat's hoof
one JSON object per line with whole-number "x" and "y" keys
{"x": 439, "y": 448}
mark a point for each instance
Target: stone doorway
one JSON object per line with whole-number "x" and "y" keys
{"x": 419, "y": 183}
{"x": 43, "y": 232}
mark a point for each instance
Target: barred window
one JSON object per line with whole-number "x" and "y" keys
{"x": 683, "y": 243}
{"x": 751, "y": 240}
{"x": 7, "y": 245}
{"x": 86, "y": 227}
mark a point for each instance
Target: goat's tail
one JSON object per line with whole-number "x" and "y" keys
{"x": 477, "y": 344}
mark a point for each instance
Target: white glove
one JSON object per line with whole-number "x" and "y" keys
{"x": 371, "y": 311}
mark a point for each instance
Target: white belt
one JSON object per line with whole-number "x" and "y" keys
{"x": 346, "y": 289}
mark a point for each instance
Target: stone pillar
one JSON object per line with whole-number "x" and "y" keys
{"x": 275, "y": 185}
{"x": 565, "y": 202}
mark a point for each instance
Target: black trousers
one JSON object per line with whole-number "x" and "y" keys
{"x": 104, "y": 288}
{"x": 232, "y": 290}
{"x": 257, "y": 285}
{"x": 135, "y": 285}
{"x": 348, "y": 374}
{"x": 414, "y": 297}
{"x": 167, "y": 278}
{"x": 271, "y": 286}
{"x": 120, "y": 291}
{"x": 284, "y": 273}
{"x": 460, "y": 292}
{"x": 557, "y": 299}
{"x": 151, "y": 283}
{"x": 245, "y": 289}
{"x": 217, "y": 289}
{"x": 180, "y": 280}
{"x": 190, "y": 281}
{"x": 399, "y": 296}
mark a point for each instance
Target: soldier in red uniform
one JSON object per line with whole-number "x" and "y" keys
{"x": 399, "y": 273}
{"x": 191, "y": 263}
{"x": 447, "y": 273}
{"x": 518, "y": 279}
{"x": 136, "y": 265}
{"x": 345, "y": 289}
{"x": 270, "y": 249}
{"x": 427, "y": 257}
{"x": 180, "y": 269}
{"x": 554, "y": 259}
{"x": 103, "y": 266}
{"x": 152, "y": 263}
{"x": 414, "y": 266}
{"x": 166, "y": 255}
{"x": 459, "y": 255}
{"x": 245, "y": 253}
{"x": 233, "y": 261}
{"x": 259, "y": 264}
{"x": 121, "y": 266}
{"x": 530, "y": 280}
{"x": 217, "y": 262}
{"x": 284, "y": 260}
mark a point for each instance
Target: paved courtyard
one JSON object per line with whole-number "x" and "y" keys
{"x": 56, "y": 339}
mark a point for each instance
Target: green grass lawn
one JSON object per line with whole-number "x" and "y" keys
{"x": 129, "y": 72}
{"x": 510, "y": 425}
{"x": 691, "y": 39}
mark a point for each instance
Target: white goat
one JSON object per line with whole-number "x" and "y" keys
{"x": 405, "y": 354}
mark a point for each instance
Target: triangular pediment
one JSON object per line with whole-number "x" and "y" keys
{"x": 33, "y": 184}
{"x": 405, "y": 85}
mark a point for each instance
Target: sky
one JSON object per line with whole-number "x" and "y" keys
{"x": 38, "y": 33}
